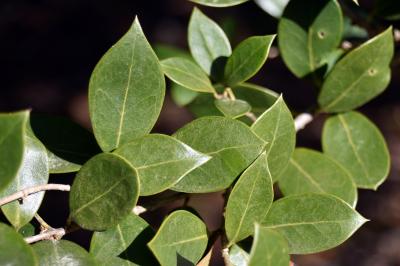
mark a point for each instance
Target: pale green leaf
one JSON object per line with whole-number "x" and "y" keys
{"x": 126, "y": 91}
{"x": 273, "y": 7}
{"x": 58, "y": 165}
{"x": 182, "y": 96}
{"x": 219, "y": 3}
{"x": 232, "y": 108}
{"x": 238, "y": 257}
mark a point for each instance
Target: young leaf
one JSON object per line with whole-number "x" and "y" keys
{"x": 230, "y": 143}
{"x": 249, "y": 201}
{"x": 273, "y": 7}
{"x": 182, "y": 236}
{"x": 181, "y": 95}
{"x": 313, "y": 222}
{"x": 104, "y": 192}
{"x": 356, "y": 143}
{"x": 305, "y": 41}
{"x": 207, "y": 42}
{"x": 187, "y": 74}
{"x": 238, "y": 257}
{"x": 14, "y": 250}
{"x": 219, "y": 3}
{"x": 160, "y": 161}
{"x": 269, "y": 248}
{"x": 232, "y": 108}
{"x": 247, "y": 59}
{"x": 276, "y": 126}
{"x": 12, "y": 132}
{"x": 360, "y": 76}
{"x": 62, "y": 253}
{"x": 312, "y": 171}
{"x": 126, "y": 91}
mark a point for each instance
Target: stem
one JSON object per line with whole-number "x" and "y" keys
{"x": 43, "y": 225}
{"x": 32, "y": 190}
{"x": 302, "y": 120}
{"x": 49, "y": 234}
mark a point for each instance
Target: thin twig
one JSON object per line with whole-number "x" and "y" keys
{"x": 50, "y": 234}
{"x": 302, "y": 120}
{"x": 43, "y": 225}
{"x": 251, "y": 116}
{"x": 32, "y": 190}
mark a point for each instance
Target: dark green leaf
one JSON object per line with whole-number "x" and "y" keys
{"x": 313, "y": 222}
{"x": 238, "y": 257}
{"x": 13, "y": 248}
{"x": 181, "y": 234}
{"x": 360, "y": 76}
{"x": 387, "y": 9}
{"x": 104, "y": 192}
{"x": 160, "y": 161}
{"x": 356, "y": 143}
{"x": 232, "y": 108}
{"x": 126, "y": 91}
{"x": 308, "y": 31}
{"x": 276, "y": 126}
{"x": 219, "y": 3}
{"x": 181, "y": 95}
{"x": 247, "y": 59}
{"x": 27, "y": 230}
{"x": 311, "y": 171}
{"x": 230, "y": 143}
{"x": 249, "y": 201}
{"x": 62, "y": 253}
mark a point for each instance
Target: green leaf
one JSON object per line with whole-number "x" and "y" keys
{"x": 27, "y": 230}
{"x": 187, "y": 74}
{"x": 230, "y": 143}
{"x": 116, "y": 240}
{"x": 219, "y": 3}
{"x": 389, "y": 10}
{"x": 356, "y": 143}
{"x": 269, "y": 248}
{"x": 164, "y": 51}
{"x": 247, "y": 59}
{"x": 62, "y": 253}
{"x": 114, "y": 261}
{"x": 182, "y": 236}
{"x": 12, "y": 132}
{"x": 181, "y": 95}
{"x": 305, "y": 40}
{"x": 60, "y": 166}
{"x": 276, "y": 126}
{"x": 104, "y": 192}
{"x": 33, "y": 171}
{"x": 312, "y": 171}
{"x": 126, "y": 91}
{"x": 313, "y": 222}
{"x": 14, "y": 250}
{"x": 249, "y": 201}
{"x": 273, "y": 7}
{"x": 208, "y": 43}
{"x": 160, "y": 161}
{"x": 238, "y": 257}
{"x": 360, "y": 76}
{"x": 232, "y": 108}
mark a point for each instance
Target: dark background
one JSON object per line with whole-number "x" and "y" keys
{"x": 49, "y": 48}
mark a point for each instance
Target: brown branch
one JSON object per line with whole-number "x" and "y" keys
{"x": 49, "y": 234}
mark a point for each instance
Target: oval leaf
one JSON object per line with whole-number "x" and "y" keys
{"x": 14, "y": 250}
{"x": 60, "y": 166}
{"x": 62, "y": 253}
{"x": 126, "y": 91}
{"x": 249, "y": 201}
{"x": 181, "y": 237}
{"x": 114, "y": 261}
{"x": 219, "y": 3}
{"x": 247, "y": 59}
{"x": 360, "y": 76}
{"x": 305, "y": 41}
{"x": 104, "y": 192}
{"x": 230, "y": 143}
{"x": 160, "y": 161}
{"x": 276, "y": 126}
{"x": 232, "y": 108}
{"x": 182, "y": 96}
{"x": 273, "y": 7}
{"x": 187, "y": 74}
{"x": 311, "y": 171}
{"x": 313, "y": 222}
{"x": 356, "y": 143}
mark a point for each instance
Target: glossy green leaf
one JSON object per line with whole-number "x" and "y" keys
{"x": 104, "y": 192}
{"x": 312, "y": 171}
{"x": 273, "y": 7}
{"x": 357, "y": 144}
{"x": 269, "y": 248}
{"x": 313, "y": 222}
{"x": 207, "y": 42}
{"x": 305, "y": 40}
{"x": 160, "y": 161}
{"x": 182, "y": 236}
{"x": 13, "y": 248}
{"x": 187, "y": 74}
{"x": 247, "y": 59}
{"x": 219, "y": 3}
{"x": 230, "y": 143}
{"x": 232, "y": 108}
{"x": 249, "y": 201}
{"x": 27, "y": 230}
{"x": 62, "y": 253}
{"x": 360, "y": 76}
{"x": 182, "y": 96}
{"x": 33, "y": 171}
{"x": 126, "y": 91}
{"x": 276, "y": 126}
{"x": 12, "y": 133}
{"x": 238, "y": 257}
